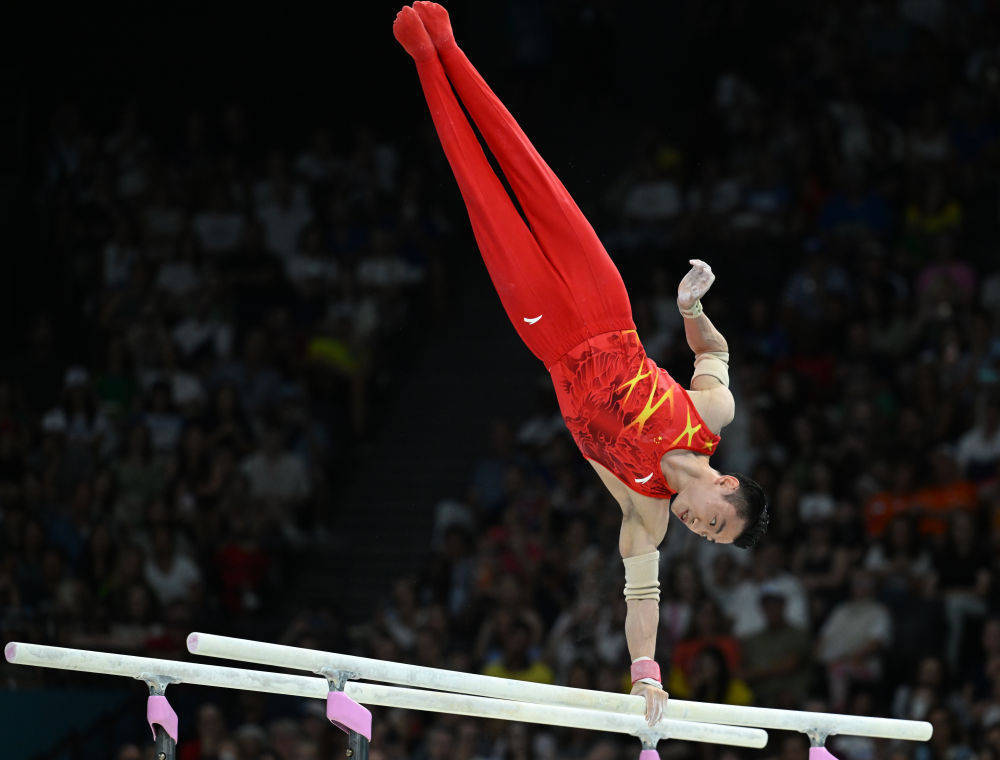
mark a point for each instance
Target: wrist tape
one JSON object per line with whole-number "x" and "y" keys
{"x": 646, "y": 670}
{"x": 694, "y": 312}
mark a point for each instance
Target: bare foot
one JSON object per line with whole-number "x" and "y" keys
{"x": 436, "y": 22}
{"x": 409, "y": 31}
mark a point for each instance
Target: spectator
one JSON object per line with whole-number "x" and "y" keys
{"x": 945, "y": 740}
{"x": 211, "y": 733}
{"x": 898, "y": 561}
{"x": 171, "y": 575}
{"x": 138, "y": 477}
{"x": 978, "y": 450}
{"x": 853, "y": 639}
{"x": 161, "y": 419}
{"x": 768, "y": 568}
{"x": 822, "y": 565}
{"x": 964, "y": 580}
{"x": 712, "y": 681}
{"x": 709, "y": 629}
{"x": 517, "y": 660}
{"x": 776, "y": 661}
{"x": 915, "y": 700}
{"x": 275, "y": 474}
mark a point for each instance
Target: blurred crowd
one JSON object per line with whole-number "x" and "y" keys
{"x": 845, "y": 190}
{"x": 236, "y": 312}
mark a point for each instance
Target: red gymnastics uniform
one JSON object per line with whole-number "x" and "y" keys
{"x": 558, "y": 285}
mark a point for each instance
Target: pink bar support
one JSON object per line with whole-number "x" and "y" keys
{"x": 348, "y": 715}
{"x": 159, "y": 712}
{"x": 820, "y": 753}
{"x": 652, "y": 754}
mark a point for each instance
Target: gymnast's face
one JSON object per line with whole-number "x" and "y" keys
{"x": 704, "y": 509}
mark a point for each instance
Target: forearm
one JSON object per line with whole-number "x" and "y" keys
{"x": 642, "y": 604}
{"x": 642, "y": 587}
{"x": 641, "y": 620}
{"x": 703, "y": 336}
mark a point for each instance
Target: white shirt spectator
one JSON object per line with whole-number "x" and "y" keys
{"x": 744, "y": 605}
{"x": 282, "y": 477}
{"x": 387, "y": 271}
{"x": 193, "y": 333}
{"x": 174, "y": 584}
{"x": 315, "y": 166}
{"x": 978, "y": 447}
{"x": 283, "y": 225}
{"x": 853, "y": 625}
{"x": 302, "y": 269}
{"x": 77, "y": 427}
{"x": 855, "y": 139}
{"x": 816, "y": 506}
{"x": 185, "y": 387}
{"x": 653, "y": 201}
{"x": 878, "y": 561}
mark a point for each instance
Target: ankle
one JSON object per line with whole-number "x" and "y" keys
{"x": 447, "y": 47}
{"x": 424, "y": 56}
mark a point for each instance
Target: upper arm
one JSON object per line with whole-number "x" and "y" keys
{"x": 714, "y": 401}
{"x": 642, "y": 529}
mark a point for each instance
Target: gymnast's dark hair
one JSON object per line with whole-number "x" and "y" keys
{"x": 751, "y": 506}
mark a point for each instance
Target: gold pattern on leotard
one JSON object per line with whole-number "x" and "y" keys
{"x": 650, "y": 409}
{"x": 635, "y": 380}
{"x": 709, "y": 445}
{"x": 687, "y": 431}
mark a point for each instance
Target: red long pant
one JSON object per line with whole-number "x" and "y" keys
{"x": 557, "y": 269}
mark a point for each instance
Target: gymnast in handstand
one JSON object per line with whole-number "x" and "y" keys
{"x": 648, "y": 438}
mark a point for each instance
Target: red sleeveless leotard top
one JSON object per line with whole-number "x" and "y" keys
{"x": 624, "y": 412}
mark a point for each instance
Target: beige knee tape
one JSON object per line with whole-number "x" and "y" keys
{"x": 713, "y": 363}
{"x": 642, "y": 576}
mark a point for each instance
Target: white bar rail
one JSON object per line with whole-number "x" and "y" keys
{"x": 818, "y": 725}
{"x": 376, "y": 694}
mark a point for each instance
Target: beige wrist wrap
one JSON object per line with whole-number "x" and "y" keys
{"x": 642, "y": 576}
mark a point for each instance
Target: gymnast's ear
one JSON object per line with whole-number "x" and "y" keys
{"x": 729, "y": 483}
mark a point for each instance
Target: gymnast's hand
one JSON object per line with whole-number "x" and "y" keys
{"x": 656, "y": 701}
{"x": 695, "y": 284}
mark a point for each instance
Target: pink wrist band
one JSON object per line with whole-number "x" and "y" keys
{"x": 645, "y": 669}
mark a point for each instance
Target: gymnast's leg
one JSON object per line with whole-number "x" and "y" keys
{"x": 527, "y": 283}
{"x": 561, "y": 229}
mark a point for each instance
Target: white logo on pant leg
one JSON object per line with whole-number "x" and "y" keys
{"x": 532, "y": 321}
{"x": 643, "y": 481}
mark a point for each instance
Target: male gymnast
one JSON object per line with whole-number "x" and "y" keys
{"x": 647, "y": 437}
